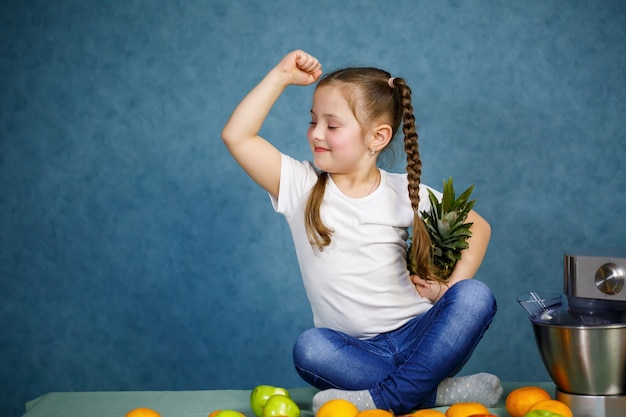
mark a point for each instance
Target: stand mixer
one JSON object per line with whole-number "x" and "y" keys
{"x": 583, "y": 342}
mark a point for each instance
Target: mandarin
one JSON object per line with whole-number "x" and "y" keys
{"x": 519, "y": 401}
{"x": 337, "y": 408}
{"x": 555, "y": 406}
{"x": 427, "y": 413}
{"x": 466, "y": 409}
{"x": 142, "y": 412}
{"x": 377, "y": 412}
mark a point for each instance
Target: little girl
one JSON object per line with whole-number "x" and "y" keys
{"x": 382, "y": 338}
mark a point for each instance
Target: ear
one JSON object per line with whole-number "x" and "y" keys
{"x": 381, "y": 136}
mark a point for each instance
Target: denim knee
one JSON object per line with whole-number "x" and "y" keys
{"x": 473, "y": 296}
{"x": 304, "y": 351}
{"x": 312, "y": 356}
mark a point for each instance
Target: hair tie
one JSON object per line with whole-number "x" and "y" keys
{"x": 390, "y": 82}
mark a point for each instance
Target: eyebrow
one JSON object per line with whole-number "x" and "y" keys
{"x": 327, "y": 115}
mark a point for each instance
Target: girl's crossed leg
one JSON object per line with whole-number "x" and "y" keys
{"x": 402, "y": 369}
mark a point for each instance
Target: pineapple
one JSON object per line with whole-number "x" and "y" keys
{"x": 447, "y": 228}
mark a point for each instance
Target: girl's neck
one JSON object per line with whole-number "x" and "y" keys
{"x": 354, "y": 187}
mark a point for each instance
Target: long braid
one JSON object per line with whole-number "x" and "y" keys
{"x": 319, "y": 234}
{"x": 421, "y": 248}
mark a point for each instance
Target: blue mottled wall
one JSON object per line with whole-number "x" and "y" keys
{"x": 134, "y": 253}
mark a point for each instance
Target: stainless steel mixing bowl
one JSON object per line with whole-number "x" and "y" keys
{"x": 585, "y": 359}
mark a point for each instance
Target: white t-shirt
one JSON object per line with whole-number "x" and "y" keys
{"x": 359, "y": 284}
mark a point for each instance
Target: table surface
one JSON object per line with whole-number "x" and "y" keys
{"x": 187, "y": 403}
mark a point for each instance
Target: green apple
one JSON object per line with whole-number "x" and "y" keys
{"x": 226, "y": 413}
{"x": 542, "y": 413}
{"x": 280, "y": 405}
{"x": 260, "y": 395}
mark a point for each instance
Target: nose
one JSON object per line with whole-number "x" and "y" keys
{"x": 315, "y": 133}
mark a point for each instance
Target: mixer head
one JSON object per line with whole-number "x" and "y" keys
{"x": 594, "y": 280}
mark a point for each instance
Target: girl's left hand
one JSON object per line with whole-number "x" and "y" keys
{"x": 432, "y": 290}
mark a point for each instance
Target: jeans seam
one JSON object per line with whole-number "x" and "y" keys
{"x": 315, "y": 376}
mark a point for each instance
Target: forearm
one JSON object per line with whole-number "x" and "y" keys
{"x": 472, "y": 257}
{"x": 247, "y": 119}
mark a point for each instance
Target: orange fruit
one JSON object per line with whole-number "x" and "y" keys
{"x": 337, "y": 408}
{"x": 519, "y": 401}
{"x": 466, "y": 409}
{"x": 375, "y": 413}
{"x": 556, "y": 406}
{"x": 427, "y": 413}
{"x": 142, "y": 412}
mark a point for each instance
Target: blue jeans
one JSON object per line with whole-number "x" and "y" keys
{"x": 402, "y": 368}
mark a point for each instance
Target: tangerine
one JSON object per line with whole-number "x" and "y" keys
{"x": 427, "y": 413}
{"x": 555, "y": 406}
{"x": 337, "y": 408}
{"x": 519, "y": 401}
{"x": 466, "y": 409}
{"x": 377, "y": 412}
{"x": 142, "y": 412}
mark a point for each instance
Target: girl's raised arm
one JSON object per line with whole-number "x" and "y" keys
{"x": 259, "y": 158}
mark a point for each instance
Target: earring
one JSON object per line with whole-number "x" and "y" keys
{"x": 373, "y": 152}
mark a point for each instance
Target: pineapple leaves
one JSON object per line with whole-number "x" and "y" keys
{"x": 446, "y": 226}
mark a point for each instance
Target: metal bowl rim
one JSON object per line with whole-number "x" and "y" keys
{"x": 579, "y": 326}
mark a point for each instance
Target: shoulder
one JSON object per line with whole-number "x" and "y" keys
{"x": 398, "y": 182}
{"x": 395, "y": 180}
{"x": 293, "y": 166}
{"x": 296, "y": 179}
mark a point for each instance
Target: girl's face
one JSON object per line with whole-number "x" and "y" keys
{"x": 336, "y": 138}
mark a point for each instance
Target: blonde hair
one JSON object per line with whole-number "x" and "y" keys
{"x": 372, "y": 100}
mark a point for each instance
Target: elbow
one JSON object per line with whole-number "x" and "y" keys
{"x": 229, "y": 137}
{"x": 226, "y": 135}
{"x": 486, "y": 230}
{"x": 480, "y": 227}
